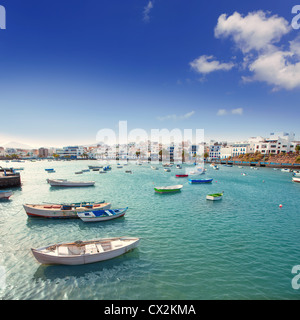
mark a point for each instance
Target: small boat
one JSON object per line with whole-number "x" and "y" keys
{"x": 154, "y": 168}
{"x": 95, "y": 167}
{"x": 79, "y": 172}
{"x": 5, "y": 194}
{"x": 86, "y": 170}
{"x": 200, "y": 181}
{"x": 214, "y": 196}
{"x": 215, "y": 167}
{"x": 295, "y": 179}
{"x": 296, "y": 174}
{"x": 167, "y": 165}
{"x": 101, "y": 215}
{"x": 128, "y": 171}
{"x": 181, "y": 175}
{"x": 69, "y": 210}
{"x": 84, "y": 252}
{"x": 119, "y": 166}
{"x": 102, "y": 171}
{"x": 49, "y": 170}
{"x": 285, "y": 170}
{"x": 167, "y": 169}
{"x": 168, "y": 189}
{"x": 178, "y": 166}
{"x": 66, "y": 183}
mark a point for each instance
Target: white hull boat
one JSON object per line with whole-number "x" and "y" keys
{"x": 5, "y": 194}
{"x": 101, "y": 215}
{"x": 296, "y": 179}
{"x": 84, "y": 252}
{"x": 62, "y": 211}
{"x": 285, "y": 170}
{"x": 67, "y": 183}
{"x": 214, "y": 196}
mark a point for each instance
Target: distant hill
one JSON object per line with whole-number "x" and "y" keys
{"x": 16, "y": 145}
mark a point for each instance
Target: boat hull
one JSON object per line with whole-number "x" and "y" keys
{"x": 214, "y": 197}
{"x": 296, "y": 180}
{"x": 169, "y": 189}
{"x": 181, "y": 175}
{"x": 5, "y": 195}
{"x": 192, "y": 181}
{"x": 65, "y": 183}
{"x": 91, "y": 216}
{"x": 46, "y": 258}
{"x": 32, "y": 211}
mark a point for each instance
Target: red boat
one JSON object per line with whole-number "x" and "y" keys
{"x": 181, "y": 175}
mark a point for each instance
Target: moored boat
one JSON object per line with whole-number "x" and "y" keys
{"x": 101, "y": 215}
{"x": 214, "y": 196}
{"x": 154, "y": 168}
{"x": 67, "y": 183}
{"x": 295, "y": 179}
{"x": 84, "y": 252}
{"x": 285, "y": 170}
{"x": 63, "y": 210}
{"x": 181, "y": 175}
{"x": 6, "y": 194}
{"x": 168, "y": 189}
{"x": 200, "y": 181}
{"x": 167, "y": 169}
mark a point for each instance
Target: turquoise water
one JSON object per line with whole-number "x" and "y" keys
{"x": 242, "y": 247}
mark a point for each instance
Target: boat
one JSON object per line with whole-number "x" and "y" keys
{"x": 296, "y": 174}
{"x": 181, "y": 175}
{"x": 128, "y": 171}
{"x": 67, "y": 183}
{"x": 295, "y": 179}
{"x": 63, "y": 210}
{"x": 101, "y": 215}
{"x": 168, "y": 189}
{"x": 119, "y": 166}
{"x": 102, "y": 171}
{"x": 215, "y": 167}
{"x": 167, "y": 165}
{"x": 86, "y": 170}
{"x": 84, "y": 252}
{"x": 214, "y": 196}
{"x": 178, "y": 166}
{"x": 200, "y": 181}
{"x": 167, "y": 169}
{"x": 49, "y": 170}
{"x": 5, "y": 194}
{"x": 154, "y": 168}
{"x": 285, "y": 170}
{"x": 79, "y": 172}
{"x": 95, "y": 167}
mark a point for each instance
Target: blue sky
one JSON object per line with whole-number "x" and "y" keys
{"x": 69, "y": 69}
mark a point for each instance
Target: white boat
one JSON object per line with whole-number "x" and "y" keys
{"x": 178, "y": 166}
{"x": 63, "y": 210}
{"x": 215, "y": 167}
{"x": 285, "y": 170}
{"x": 101, "y": 215}
{"x": 5, "y": 194}
{"x": 168, "y": 189}
{"x": 296, "y": 174}
{"x": 154, "y": 168}
{"x": 296, "y": 179}
{"x": 67, "y": 183}
{"x": 84, "y": 252}
{"x": 167, "y": 169}
{"x": 214, "y": 196}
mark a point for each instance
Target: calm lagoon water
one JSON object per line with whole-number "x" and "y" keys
{"x": 242, "y": 247}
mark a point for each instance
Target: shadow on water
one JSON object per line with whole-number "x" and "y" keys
{"x": 33, "y": 222}
{"x": 54, "y": 272}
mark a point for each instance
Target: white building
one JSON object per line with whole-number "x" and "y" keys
{"x": 71, "y": 151}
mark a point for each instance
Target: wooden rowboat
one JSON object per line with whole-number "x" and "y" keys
{"x": 101, "y": 215}
{"x": 168, "y": 189}
{"x": 62, "y": 210}
{"x": 214, "y": 196}
{"x": 67, "y": 183}
{"x": 84, "y": 252}
{"x": 181, "y": 175}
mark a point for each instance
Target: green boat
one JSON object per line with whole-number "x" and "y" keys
{"x": 168, "y": 189}
{"x": 214, "y": 196}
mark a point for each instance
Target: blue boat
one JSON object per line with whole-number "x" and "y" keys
{"x": 200, "y": 180}
{"x": 49, "y": 170}
{"x": 101, "y": 215}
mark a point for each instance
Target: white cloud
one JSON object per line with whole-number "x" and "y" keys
{"x": 256, "y": 31}
{"x": 224, "y": 112}
{"x": 175, "y": 117}
{"x": 259, "y": 36}
{"x": 204, "y": 64}
{"x": 147, "y": 10}
{"x": 238, "y": 111}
